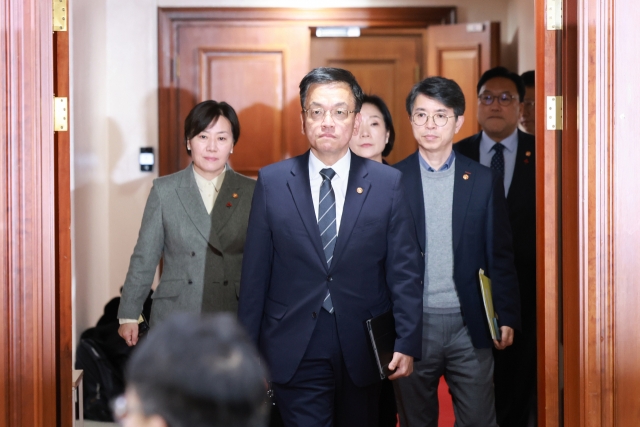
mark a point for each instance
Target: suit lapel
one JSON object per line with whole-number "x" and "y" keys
{"x": 462, "y": 189}
{"x": 226, "y": 203}
{"x": 474, "y": 152}
{"x": 415, "y": 195}
{"x": 354, "y": 199}
{"x": 519, "y": 169}
{"x": 300, "y": 189}
{"x": 192, "y": 203}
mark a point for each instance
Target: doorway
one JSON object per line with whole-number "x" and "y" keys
{"x": 254, "y": 59}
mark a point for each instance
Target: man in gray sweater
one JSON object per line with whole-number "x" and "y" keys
{"x": 462, "y": 224}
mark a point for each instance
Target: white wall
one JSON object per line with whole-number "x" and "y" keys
{"x": 114, "y": 113}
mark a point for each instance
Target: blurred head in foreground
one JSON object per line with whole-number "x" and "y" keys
{"x": 197, "y": 372}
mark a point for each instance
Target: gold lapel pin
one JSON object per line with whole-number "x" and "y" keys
{"x": 235, "y": 195}
{"x": 465, "y": 176}
{"x": 359, "y": 190}
{"x": 528, "y": 153}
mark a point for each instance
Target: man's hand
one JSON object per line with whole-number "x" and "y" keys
{"x": 401, "y": 364}
{"x": 129, "y": 332}
{"x": 507, "y": 338}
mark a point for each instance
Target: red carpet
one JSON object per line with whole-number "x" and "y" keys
{"x": 446, "y": 418}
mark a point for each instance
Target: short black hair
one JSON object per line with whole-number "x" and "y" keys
{"x": 206, "y": 112}
{"x": 528, "y": 78}
{"x": 502, "y": 72}
{"x": 386, "y": 116}
{"x": 330, "y": 75}
{"x": 444, "y": 90}
{"x": 199, "y": 372}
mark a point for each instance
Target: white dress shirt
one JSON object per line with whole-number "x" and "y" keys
{"x": 338, "y": 182}
{"x": 510, "y": 150}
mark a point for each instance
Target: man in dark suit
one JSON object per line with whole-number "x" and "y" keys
{"x": 461, "y": 220}
{"x": 511, "y": 153}
{"x": 330, "y": 244}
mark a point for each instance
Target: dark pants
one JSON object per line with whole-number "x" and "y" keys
{"x": 515, "y": 382}
{"x": 321, "y": 392}
{"x": 447, "y": 350}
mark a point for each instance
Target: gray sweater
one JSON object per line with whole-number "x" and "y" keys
{"x": 440, "y": 294}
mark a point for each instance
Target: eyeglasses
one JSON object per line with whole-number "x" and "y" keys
{"x": 420, "y": 118}
{"x": 503, "y": 99}
{"x": 121, "y": 409}
{"x": 528, "y": 105}
{"x": 318, "y": 114}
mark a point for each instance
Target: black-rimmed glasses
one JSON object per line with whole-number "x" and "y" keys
{"x": 420, "y": 118}
{"x": 504, "y": 99}
{"x": 318, "y": 114}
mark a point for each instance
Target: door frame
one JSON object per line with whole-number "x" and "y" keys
{"x": 170, "y": 19}
{"x": 35, "y": 214}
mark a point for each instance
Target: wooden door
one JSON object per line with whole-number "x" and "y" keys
{"x": 386, "y": 62}
{"x": 463, "y": 52}
{"x": 254, "y": 59}
{"x": 254, "y": 68}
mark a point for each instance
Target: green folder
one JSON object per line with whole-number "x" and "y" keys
{"x": 487, "y": 300}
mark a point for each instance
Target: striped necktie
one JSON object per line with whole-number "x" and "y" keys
{"x": 327, "y": 223}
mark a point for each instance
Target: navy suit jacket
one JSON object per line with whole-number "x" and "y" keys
{"x": 376, "y": 267}
{"x": 521, "y": 202}
{"x": 481, "y": 239}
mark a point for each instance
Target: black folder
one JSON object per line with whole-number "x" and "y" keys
{"x": 382, "y": 332}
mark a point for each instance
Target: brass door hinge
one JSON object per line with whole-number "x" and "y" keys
{"x": 554, "y": 113}
{"x": 59, "y": 15}
{"x": 554, "y": 15}
{"x": 60, "y": 114}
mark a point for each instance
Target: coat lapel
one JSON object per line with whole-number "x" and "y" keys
{"x": 462, "y": 189}
{"x": 192, "y": 203}
{"x": 522, "y": 162}
{"x": 353, "y": 202}
{"x": 300, "y": 189}
{"x": 226, "y": 203}
{"x": 415, "y": 195}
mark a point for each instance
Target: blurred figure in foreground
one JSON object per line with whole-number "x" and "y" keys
{"x": 376, "y": 136}
{"x": 194, "y": 372}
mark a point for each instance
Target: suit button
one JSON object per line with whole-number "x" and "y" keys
{"x": 314, "y": 315}
{"x": 329, "y": 279}
{"x": 193, "y": 254}
{"x": 422, "y": 254}
{"x": 190, "y": 282}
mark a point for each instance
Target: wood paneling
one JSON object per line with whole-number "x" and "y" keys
{"x": 265, "y": 53}
{"x": 626, "y": 207}
{"x": 28, "y": 300}
{"x": 463, "y": 53}
{"x": 547, "y": 227}
{"x": 385, "y": 63}
{"x": 62, "y": 155}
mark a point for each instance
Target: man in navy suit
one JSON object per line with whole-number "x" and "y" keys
{"x": 330, "y": 244}
{"x": 462, "y": 225}
{"x": 511, "y": 152}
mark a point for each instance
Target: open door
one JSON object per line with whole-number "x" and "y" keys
{"x": 463, "y": 52}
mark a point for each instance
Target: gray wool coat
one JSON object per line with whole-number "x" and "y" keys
{"x": 201, "y": 252}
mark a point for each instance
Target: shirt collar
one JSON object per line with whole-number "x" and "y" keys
{"x": 446, "y": 166}
{"x": 341, "y": 167}
{"x": 202, "y": 181}
{"x": 510, "y": 143}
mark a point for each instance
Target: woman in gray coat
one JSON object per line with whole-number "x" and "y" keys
{"x": 196, "y": 221}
